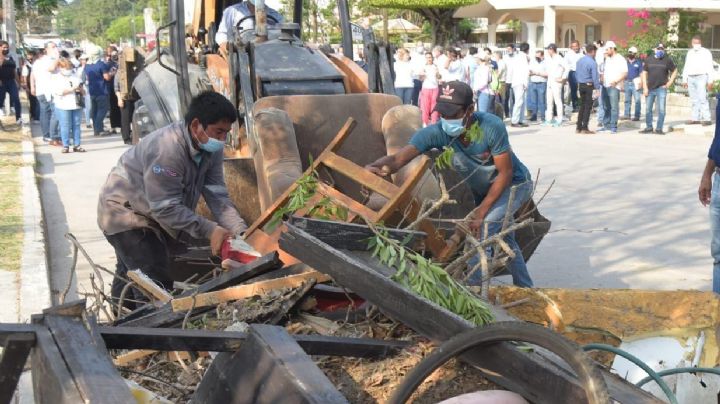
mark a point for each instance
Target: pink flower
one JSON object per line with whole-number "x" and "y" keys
{"x": 629, "y": 23}
{"x": 645, "y": 25}
{"x": 644, "y": 14}
{"x": 631, "y": 12}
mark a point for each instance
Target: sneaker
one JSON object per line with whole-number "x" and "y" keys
{"x": 88, "y": 126}
{"x": 587, "y": 132}
{"x": 602, "y": 129}
{"x": 659, "y": 132}
{"x": 19, "y": 121}
{"x": 613, "y": 131}
{"x": 46, "y": 139}
{"x": 647, "y": 130}
{"x": 65, "y": 150}
{"x": 547, "y": 123}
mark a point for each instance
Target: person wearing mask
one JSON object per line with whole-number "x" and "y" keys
{"x": 404, "y": 76}
{"x": 441, "y": 60}
{"x": 571, "y": 59}
{"x": 659, "y": 72}
{"x": 41, "y": 80}
{"x": 589, "y": 86}
{"x": 493, "y": 62}
{"x": 67, "y": 90}
{"x": 97, "y": 73}
{"x": 697, "y": 78}
{"x": 470, "y": 62}
{"x": 25, "y": 77}
{"x": 80, "y": 72}
{"x": 112, "y": 62}
{"x": 633, "y": 84}
{"x": 429, "y": 74}
{"x": 537, "y": 87}
{"x": 507, "y": 95}
{"x": 482, "y": 77}
{"x": 127, "y": 107}
{"x": 242, "y": 13}
{"x": 615, "y": 72}
{"x": 489, "y": 165}
{"x": 418, "y": 60}
{"x": 600, "y": 60}
{"x": 454, "y": 69}
{"x": 9, "y": 81}
{"x": 75, "y": 60}
{"x": 519, "y": 76}
{"x": 146, "y": 208}
{"x": 556, "y": 67}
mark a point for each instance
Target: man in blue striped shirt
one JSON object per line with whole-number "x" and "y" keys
{"x": 586, "y": 74}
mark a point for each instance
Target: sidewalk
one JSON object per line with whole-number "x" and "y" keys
{"x": 69, "y": 186}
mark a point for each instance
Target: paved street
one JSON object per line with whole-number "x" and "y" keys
{"x": 624, "y": 208}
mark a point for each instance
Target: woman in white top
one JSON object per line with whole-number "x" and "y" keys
{"x": 429, "y": 75}
{"x": 67, "y": 90}
{"x": 404, "y": 76}
{"x": 455, "y": 69}
{"x": 482, "y": 78}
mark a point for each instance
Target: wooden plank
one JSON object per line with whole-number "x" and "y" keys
{"x": 388, "y": 84}
{"x": 404, "y": 193}
{"x": 148, "y": 285}
{"x": 165, "y": 316}
{"x": 245, "y": 291}
{"x": 9, "y": 329}
{"x": 129, "y": 357}
{"x": 281, "y": 372}
{"x": 536, "y": 377}
{"x": 52, "y": 380}
{"x": 350, "y": 236}
{"x": 279, "y": 202}
{"x": 346, "y": 201}
{"x": 174, "y": 339}
{"x": 16, "y": 352}
{"x": 88, "y": 361}
{"x": 197, "y": 17}
{"x": 361, "y": 175}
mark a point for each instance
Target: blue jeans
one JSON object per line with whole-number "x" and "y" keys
{"x": 10, "y": 87}
{"x": 611, "y": 103}
{"x": 100, "y": 106}
{"x": 405, "y": 95}
{"x": 88, "y": 107}
{"x": 48, "y": 121}
{"x": 536, "y": 100}
{"x": 659, "y": 94}
{"x": 572, "y": 81}
{"x": 697, "y": 89}
{"x": 495, "y": 218}
{"x": 601, "y": 106}
{"x": 630, "y": 93}
{"x": 715, "y": 230}
{"x": 485, "y": 102}
{"x": 69, "y": 120}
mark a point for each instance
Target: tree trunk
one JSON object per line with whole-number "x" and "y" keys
{"x": 441, "y": 22}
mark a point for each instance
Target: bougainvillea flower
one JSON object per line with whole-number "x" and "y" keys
{"x": 629, "y": 23}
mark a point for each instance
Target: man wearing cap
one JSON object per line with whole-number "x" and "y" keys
{"x": 556, "y": 68}
{"x": 571, "y": 58}
{"x": 96, "y": 73}
{"x": 538, "y": 87}
{"x": 488, "y": 164}
{"x": 658, "y": 74}
{"x": 633, "y": 84}
{"x": 697, "y": 78}
{"x": 614, "y": 75}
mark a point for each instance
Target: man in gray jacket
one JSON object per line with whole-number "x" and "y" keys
{"x": 147, "y": 205}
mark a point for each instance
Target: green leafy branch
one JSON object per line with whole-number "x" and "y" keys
{"x": 428, "y": 279}
{"x": 474, "y": 134}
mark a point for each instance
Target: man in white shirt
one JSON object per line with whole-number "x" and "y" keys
{"x": 697, "y": 78}
{"x": 41, "y": 86}
{"x": 441, "y": 59}
{"x": 508, "y": 98}
{"x": 470, "y": 64}
{"x": 537, "y": 88}
{"x": 556, "y": 73}
{"x": 613, "y": 80}
{"x": 600, "y": 60}
{"x": 519, "y": 76}
{"x": 571, "y": 58}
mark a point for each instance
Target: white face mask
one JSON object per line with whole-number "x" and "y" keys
{"x": 697, "y": 46}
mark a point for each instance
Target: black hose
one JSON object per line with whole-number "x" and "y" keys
{"x": 587, "y": 372}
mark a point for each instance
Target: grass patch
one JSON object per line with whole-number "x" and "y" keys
{"x": 11, "y": 220}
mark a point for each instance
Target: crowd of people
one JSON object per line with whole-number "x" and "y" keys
{"x": 548, "y": 87}
{"x": 65, "y": 87}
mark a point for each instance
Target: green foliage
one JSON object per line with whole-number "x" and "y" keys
{"x": 92, "y": 19}
{"x": 122, "y": 28}
{"x": 514, "y": 25}
{"x": 428, "y": 279}
{"x": 474, "y": 134}
{"x": 417, "y": 4}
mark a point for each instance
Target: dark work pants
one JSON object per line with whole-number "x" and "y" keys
{"x": 417, "y": 86}
{"x": 10, "y": 87}
{"x": 126, "y": 113}
{"x": 34, "y": 106}
{"x": 586, "y": 104}
{"x": 139, "y": 249}
{"x": 573, "y": 89}
{"x": 114, "y": 111}
{"x": 508, "y": 99}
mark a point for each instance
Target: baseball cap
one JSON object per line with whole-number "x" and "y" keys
{"x": 453, "y": 98}
{"x": 633, "y": 49}
{"x": 610, "y": 44}
{"x": 551, "y": 46}
{"x": 660, "y": 46}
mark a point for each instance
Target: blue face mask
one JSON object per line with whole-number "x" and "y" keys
{"x": 659, "y": 54}
{"x": 453, "y": 127}
{"x": 212, "y": 145}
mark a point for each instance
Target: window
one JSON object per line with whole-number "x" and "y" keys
{"x": 592, "y": 33}
{"x": 540, "y": 35}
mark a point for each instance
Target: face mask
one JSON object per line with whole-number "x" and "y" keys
{"x": 631, "y": 56}
{"x": 538, "y": 59}
{"x": 6, "y": 51}
{"x": 697, "y": 46}
{"x": 66, "y": 72}
{"x": 659, "y": 54}
{"x": 213, "y": 145}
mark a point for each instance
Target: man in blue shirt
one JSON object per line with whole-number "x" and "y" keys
{"x": 487, "y": 163}
{"x": 709, "y": 193}
{"x": 586, "y": 74}
{"x": 96, "y": 72}
{"x": 635, "y": 67}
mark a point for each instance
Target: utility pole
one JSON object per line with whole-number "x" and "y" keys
{"x": 10, "y": 33}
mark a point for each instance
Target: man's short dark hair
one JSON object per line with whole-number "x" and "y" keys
{"x": 473, "y": 50}
{"x": 3, "y": 43}
{"x": 590, "y": 48}
{"x": 209, "y": 108}
{"x": 524, "y": 47}
{"x": 698, "y": 37}
{"x": 77, "y": 53}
